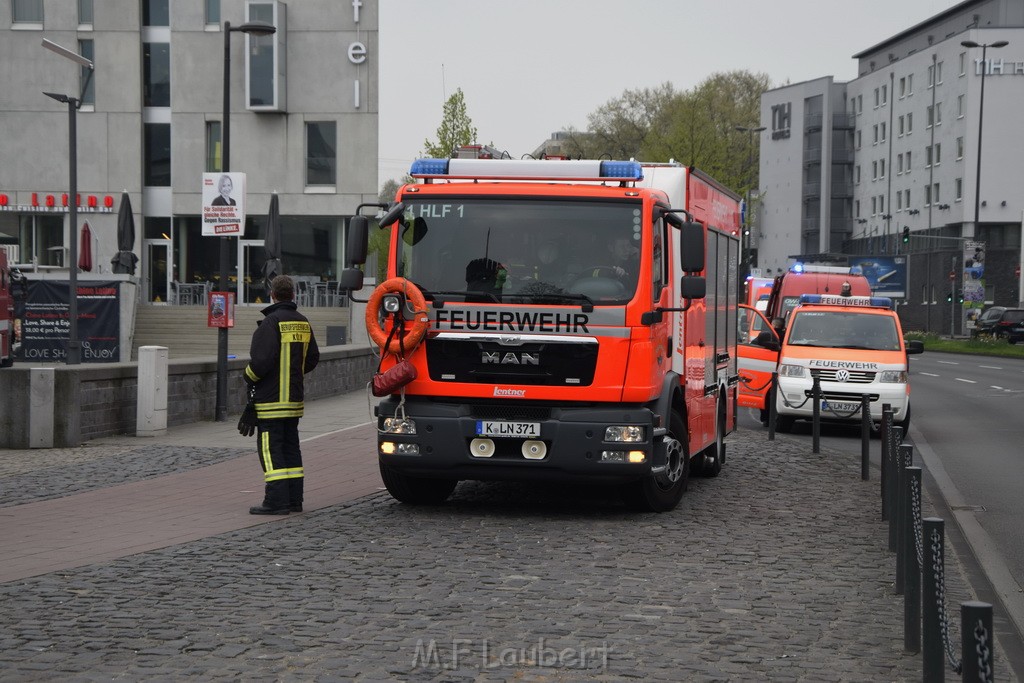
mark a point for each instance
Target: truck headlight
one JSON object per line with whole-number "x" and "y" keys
{"x": 398, "y": 425}
{"x": 893, "y": 376}
{"x": 625, "y": 433}
{"x": 792, "y": 371}
{"x": 392, "y": 303}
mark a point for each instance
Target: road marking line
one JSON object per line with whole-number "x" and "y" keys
{"x": 948, "y": 362}
{"x": 930, "y": 374}
{"x": 961, "y": 379}
{"x": 995, "y": 387}
{"x": 990, "y": 367}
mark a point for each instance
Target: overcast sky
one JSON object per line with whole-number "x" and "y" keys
{"x": 531, "y": 67}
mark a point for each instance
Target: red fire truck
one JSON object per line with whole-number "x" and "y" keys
{"x": 554, "y": 319}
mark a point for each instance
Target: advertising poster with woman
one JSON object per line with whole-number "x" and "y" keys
{"x": 223, "y": 204}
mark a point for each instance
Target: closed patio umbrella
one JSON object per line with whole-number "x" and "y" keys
{"x": 125, "y": 259}
{"x": 85, "y": 249}
{"x": 272, "y": 244}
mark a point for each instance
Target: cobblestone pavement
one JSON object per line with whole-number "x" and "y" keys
{"x": 776, "y": 570}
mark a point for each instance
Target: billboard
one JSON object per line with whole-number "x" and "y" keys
{"x": 886, "y": 274}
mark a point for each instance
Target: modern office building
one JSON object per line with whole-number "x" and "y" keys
{"x": 303, "y": 125}
{"x": 885, "y": 169}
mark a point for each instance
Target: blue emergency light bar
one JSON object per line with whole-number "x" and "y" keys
{"x": 537, "y": 169}
{"x": 837, "y": 300}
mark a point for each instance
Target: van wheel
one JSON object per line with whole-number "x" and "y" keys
{"x": 662, "y": 491}
{"x": 712, "y": 458}
{"x": 416, "y": 490}
{"x": 906, "y": 421}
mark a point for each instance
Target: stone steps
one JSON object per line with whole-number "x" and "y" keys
{"x": 183, "y": 330}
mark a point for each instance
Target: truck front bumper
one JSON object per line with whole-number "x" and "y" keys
{"x": 569, "y": 445}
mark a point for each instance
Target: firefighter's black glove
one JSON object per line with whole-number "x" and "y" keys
{"x": 247, "y": 423}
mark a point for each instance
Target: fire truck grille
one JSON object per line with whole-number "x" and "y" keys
{"x": 487, "y": 362}
{"x": 854, "y": 376}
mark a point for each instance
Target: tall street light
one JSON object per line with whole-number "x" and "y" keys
{"x": 981, "y": 117}
{"x": 745, "y": 236}
{"x": 256, "y": 29}
{"x": 74, "y": 350}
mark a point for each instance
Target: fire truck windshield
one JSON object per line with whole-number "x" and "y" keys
{"x": 521, "y": 251}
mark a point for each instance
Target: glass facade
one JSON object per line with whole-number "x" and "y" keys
{"x": 155, "y": 13}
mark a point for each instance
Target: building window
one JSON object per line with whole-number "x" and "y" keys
{"x": 86, "y": 48}
{"x": 910, "y": 84}
{"x": 27, "y": 11}
{"x": 875, "y": 134}
{"x": 902, "y": 121}
{"x": 938, "y": 153}
{"x": 881, "y": 168}
{"x": 899, "y": 201}
{"x": 910, "y": 123}
{"x": 856, "y": 174}
{"x": 213, "y": 158}
{"x": 906, "y": 198}
{"x": 899, "y": 164}
{"x": 265, "y": 87}
{"x": 876, "y": 98}
{"x": 213, "y": 12}
{"x": 959, "y": 148}
{"x": 856, "y": 208}
{"x": 885, "y": 95}
{"x": 157, "y": 161}
{"x": 874, "y": 206}
{"x": 321, "y": 158}
{"x": 883, "y": 131}
{"x": 881, "y": 203}
{"x": 938, "y": 113}
{"x": 908, "y": 162}
{"x": 930, "y": 116}
{"x": 156, "y": 74}
{"x": 155, "y": 13}
{"x": 857, "y": 145}
{"x": 85, "y": 13}
{"x": 860, "y": 104}
{"x": 963, "y": 63}
{"x": 874, "y": 170}
{"x": 935, "y": 193}
{"x": 927, "y": 156}
{"x": 927, "y": 195}
{"x": 903, "y": 87}
{"x": 958, "y": 188}
{"x": 959, "y": 106}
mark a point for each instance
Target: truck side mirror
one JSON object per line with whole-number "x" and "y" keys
{"x": 691, "y": 247}
{"x": 351, "y": 280}
{"x": 915, "y": 346}
{"x": 358, "y": 237}
{"x": 692, "y": 287}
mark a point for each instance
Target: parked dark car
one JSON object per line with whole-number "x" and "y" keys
{"x": 1011, "y": 325}
{"x": 986, "y": 322}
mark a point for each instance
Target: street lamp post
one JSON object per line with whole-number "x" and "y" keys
{"x": 74, "y": 348}
{"x": 745, "y": 235}
{"x": 257, "y": 29}
{"x": 981, "y": 118}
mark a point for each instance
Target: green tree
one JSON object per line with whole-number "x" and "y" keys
{"x": 456, "y": 129}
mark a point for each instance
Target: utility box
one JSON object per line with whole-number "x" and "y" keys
{"x": 337, "y": 335}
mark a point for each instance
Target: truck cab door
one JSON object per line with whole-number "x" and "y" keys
{"x": 758, "y": 350}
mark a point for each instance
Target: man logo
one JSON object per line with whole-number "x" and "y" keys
{"x": 510, "y": 358}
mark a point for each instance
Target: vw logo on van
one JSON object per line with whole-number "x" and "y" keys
{"x": 842, "y": 375}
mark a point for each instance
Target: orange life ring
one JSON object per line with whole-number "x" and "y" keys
{"x": 409, "y": 338}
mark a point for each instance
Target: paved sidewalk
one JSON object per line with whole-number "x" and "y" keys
{"x": 106, "y": 523}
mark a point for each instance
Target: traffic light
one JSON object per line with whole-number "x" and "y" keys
{"x": 960, "y": 296}
{"x": 906, "y": 234}
{"x": 949, "y": 297}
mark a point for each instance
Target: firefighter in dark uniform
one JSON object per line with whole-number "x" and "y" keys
{"x": 283, "y": 349}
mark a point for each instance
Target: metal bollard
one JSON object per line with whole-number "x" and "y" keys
{"x": 883, "y": 462}
{"x": 933, "y": 539}
{"x": 772, "y": 393}
{"x": 976, "y": 641}
{"x": 816, "y": 414}
{"x": 865, "y": 437}
{"x": 911, "y": 567}
{"x": 904, "y": 459}
{"x": 895, "y": 437}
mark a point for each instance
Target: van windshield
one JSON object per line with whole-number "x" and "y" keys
{"x": 843, "y": 330}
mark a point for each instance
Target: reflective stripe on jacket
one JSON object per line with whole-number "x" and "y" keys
{"x": 283, "y": 349}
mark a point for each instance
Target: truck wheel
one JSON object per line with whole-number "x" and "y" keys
{"x": 7, "y": 362}
{"x": 661, "y": 492}
{"x": 416, "y": 490}
{"x": 712, "y": 458}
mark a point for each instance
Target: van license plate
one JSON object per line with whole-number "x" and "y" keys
{"x": 839, "y": 406}
{"x": 498, "y": 428}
